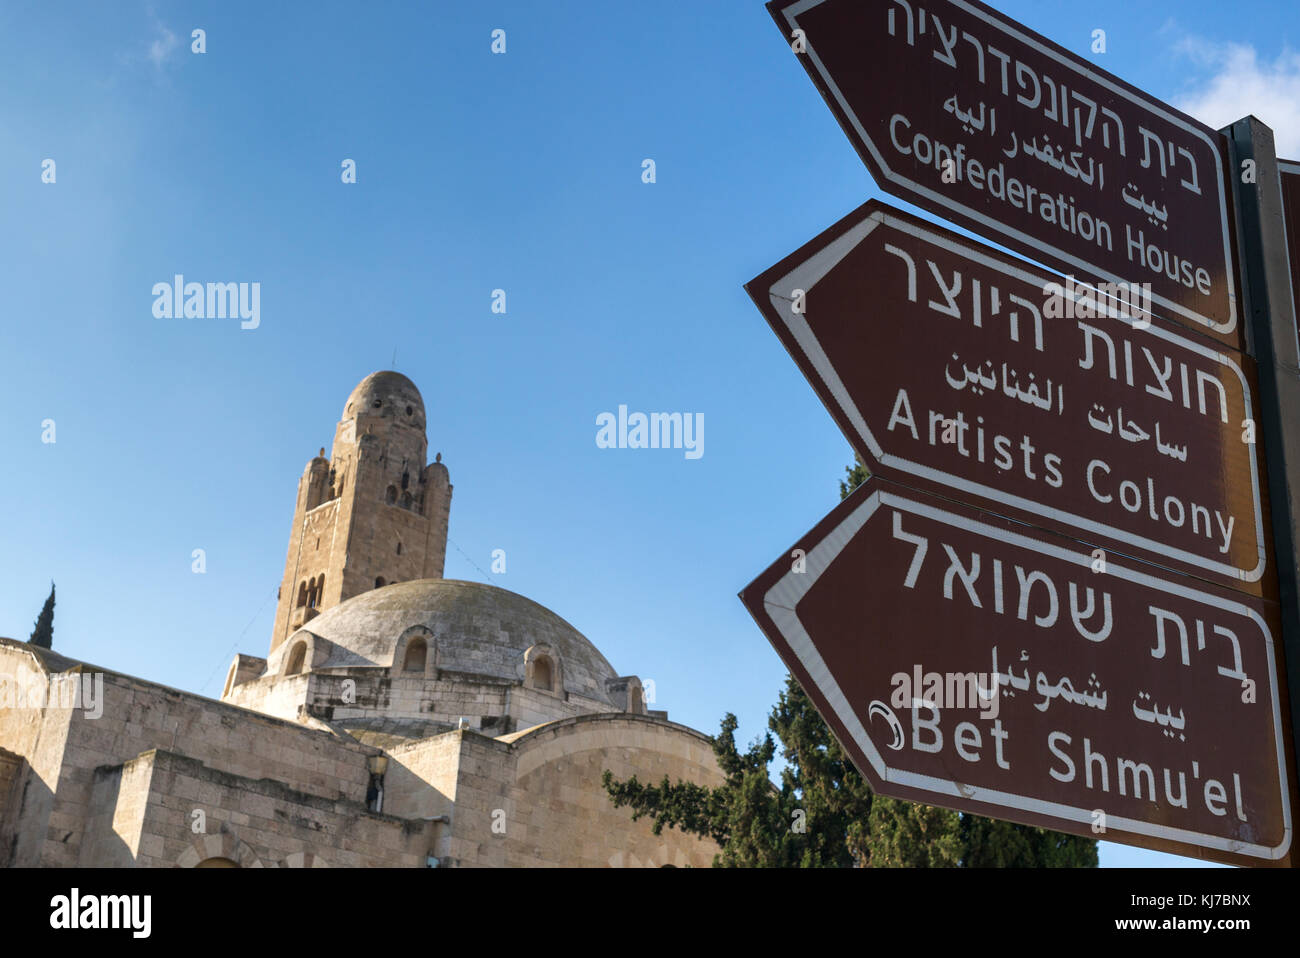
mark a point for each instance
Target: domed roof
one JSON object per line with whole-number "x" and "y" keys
{"x": 388, "y": 394}
{"x": 476, "y": 628}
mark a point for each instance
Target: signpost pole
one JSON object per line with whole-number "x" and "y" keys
{"x": 1272, "y": 337}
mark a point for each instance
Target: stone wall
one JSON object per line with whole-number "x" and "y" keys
{"x": 542, "y": 790}
{"x": 64, "y": 749}
{"x": 122, "y": 788}
{"x": 39, "y": 735}
{"x": 278, "y": 695}
{"x": 255, "y": 822}
{"x": 12, "y": 773}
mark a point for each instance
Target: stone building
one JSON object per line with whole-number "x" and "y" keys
{"x": 398, "y": 719}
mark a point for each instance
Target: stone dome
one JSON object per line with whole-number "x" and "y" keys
{"x": 389, "y": 395}
{"x": 476, "y": 628}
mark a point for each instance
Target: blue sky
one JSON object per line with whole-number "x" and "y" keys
{"x": 475, "y": 172}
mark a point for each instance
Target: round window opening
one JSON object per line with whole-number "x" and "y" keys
{"x": 410, "y": 410}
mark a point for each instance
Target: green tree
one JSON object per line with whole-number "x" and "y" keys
{"x": 43, "y": 634}
{"x": 823, "y": 814}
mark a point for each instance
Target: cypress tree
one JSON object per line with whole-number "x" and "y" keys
{"x": 43, "y": 634}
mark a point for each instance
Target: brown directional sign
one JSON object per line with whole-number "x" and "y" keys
{"x": 967, "y": 661}
{"x": 961, "y": 371}
{"x": 1289, "y": 171}
{"x": 978, "y": 119}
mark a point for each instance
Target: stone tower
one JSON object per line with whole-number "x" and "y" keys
{"x": 370, "y": 515}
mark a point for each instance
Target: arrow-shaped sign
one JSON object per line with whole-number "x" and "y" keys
{"x": 967, "y": 661}
{"x": 975, "y": 117}
{"x": 959, "y": 370}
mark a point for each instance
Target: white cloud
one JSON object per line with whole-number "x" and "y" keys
{"x": 1241, "y": 85}
{"x": 161, "y": 49}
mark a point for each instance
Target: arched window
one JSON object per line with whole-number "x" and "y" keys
{"x": 391, "y": 496}
{"x": 320, "y": 592}
{"x": 311, "y": 594}
{"x": 379, "y": 582}
{"x": 543, "y": 670}
{"x": 406, "y": 479}
{"x": 542, "y": 674}
{"x": 399, "y": 548}
{"x": 302, "y": 593}
{"x": 417, "y": 653}
{"x": 296, "y": 658}
{"x": 406, "y": 500}
{"x": 217, "y": 863}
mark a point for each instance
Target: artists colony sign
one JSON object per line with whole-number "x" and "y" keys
{"x": 959, "y": 370}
